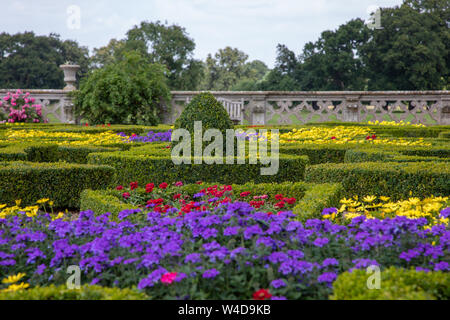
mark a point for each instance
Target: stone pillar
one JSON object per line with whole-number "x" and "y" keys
{"x": 351, "y": 110}
{"x": 258, "y": 111}
{"x": 445, "y": 112}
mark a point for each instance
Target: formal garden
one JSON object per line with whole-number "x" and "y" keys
{"x": 109, "y": 199}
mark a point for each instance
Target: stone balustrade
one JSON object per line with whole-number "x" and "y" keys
{"x": 279, "y": 107}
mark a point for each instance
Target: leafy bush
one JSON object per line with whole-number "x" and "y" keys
{"x": 395, "y": 284}
{"x": 140, "y": 167}
{"x": 205, "y": 108}
{"x": 61, "y": 182}
{"x": 444, "y": 135}
{"x": 130, "y": 91}
{"x": 86, "y": 292}
{"x": 398, "y": 180}
{"x": 20, "y": 107}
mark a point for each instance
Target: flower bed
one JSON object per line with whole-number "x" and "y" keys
{"x": 231, "y": 251}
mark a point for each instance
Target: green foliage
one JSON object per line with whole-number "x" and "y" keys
{"x": 317, "y": 153}
{"x": 316, "y": 198}
{"x": 61, "y": 182}
{"x": 171, "y": 46}
{"x": 86, "y": 292}
{"x": 411, "y": 51}
{"x": 229, "y": 70}
{"x": 127, "y": 92}
{"x": 32, "y": 62}
{"x": 102, "y": 201}
{"x": 137, "y": 166}
{"x": 396, "y": 284}
{"x": 444, "y": 135}
{"x": 385, "y": 178}
{"x": 205, "y": 108}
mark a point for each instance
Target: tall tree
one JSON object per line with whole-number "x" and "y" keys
{"x": 228, "y": 69}
{"x": 171, "y": 46}
{"x": 412, "y": 50}
{"x": 333, "y": 61}
{"x": 32, "y": 62}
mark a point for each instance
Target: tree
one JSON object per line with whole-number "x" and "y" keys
{"x": 229, "y": 70}
{"x": 168, "y": 45}
{"x": 333, "y": 61}
{"x": 111, "y": 53}
{"x": 129, "y": 91}
{"x": 32, "y": 62}
{"x": 411, "y": 52}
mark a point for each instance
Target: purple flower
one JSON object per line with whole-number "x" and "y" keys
{"x": 441, "y": 266}
{"x": 329, "y": 211}
{"x": 320, "y": 242}
{"x": 330, "y": 262}
{"x": 327, "y": 277}
{"x": 445, "y": 213}
{"x": 40, "y": 269}
{"x": 231, "y": 231}
{"x": 193, "y": 258}
{"x": 211, "y": 273}
{"x": 279, "y": 283}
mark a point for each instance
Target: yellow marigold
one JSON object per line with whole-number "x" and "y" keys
{"x": 14, "y": 278}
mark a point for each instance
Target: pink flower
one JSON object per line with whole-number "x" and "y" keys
{"x": 179, "y": 184}
{"x": 168, "y": 278}
{"x": 6, "y": 98}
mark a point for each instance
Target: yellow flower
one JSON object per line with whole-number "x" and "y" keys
{"x": 41, "y": 201}
{"x": 18, "y": 202}
{"x": 16, "y": 287}
{"x": 384, "y": 199}
{"x": 369, "y": 199}
{"x": 2, "y": 206}
{"x": 14, "y": 279}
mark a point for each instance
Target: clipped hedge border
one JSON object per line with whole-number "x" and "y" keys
{"x": 385, "y": 178}
{"x": 45, "y": 152}
{"x": 316, "y": 198}
{"x": 144, "y": 168}
{"x": 85, "y": 292}
{"x": 388, "y": 156}
{"x": 317, "y": 153}
{"x": 60, "y": 182}
{"x": 396, "y": 284}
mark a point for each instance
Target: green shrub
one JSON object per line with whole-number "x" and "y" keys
{"x": 395, "y": 284}
{"x": 144, "y": 168}
{"x": 398, "y": 180}
{"x": 205, "y": 108}
{"x": 316, "y": 198}
{"x": 130, "y": 91}
{"x": 86, "y": 292}
{"x": 317, "y": 153}
{"x": 61, "y": 182}
{"x": 102, "y": 201}
{"x": 444, "y": 135}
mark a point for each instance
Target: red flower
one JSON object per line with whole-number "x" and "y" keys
{"x": 290, "y": 200}
{"x": 176, "y": 196}
{"x": 333, "y": 138}
{"x": 119, "y": 188}
{"x": 109, "y": 124}
{"x": 199, "y": 182}
{"x": 374, "y": 137}
{"x": 86, "y": 124}
{"x": 245, "y": 194}
{"x": 163, "y": 185}
{"x": 262, "y": 294}
{"x": 133, "y": 185}
{"x": 279, "y": 204}
{"x": 279, "y": 197}
{"x": 227, "y": 188}
{"x": 126, "y": 195}
{"x": 368, "y": 138}
{"x": 149, "y": 187}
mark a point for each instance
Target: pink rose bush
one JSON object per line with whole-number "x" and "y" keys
{"x": 21, "y": 107}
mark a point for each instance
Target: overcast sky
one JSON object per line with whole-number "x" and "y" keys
{"x": 253, "y": 26}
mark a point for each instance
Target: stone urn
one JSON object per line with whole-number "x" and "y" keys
{"x": 70, "y": 75}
